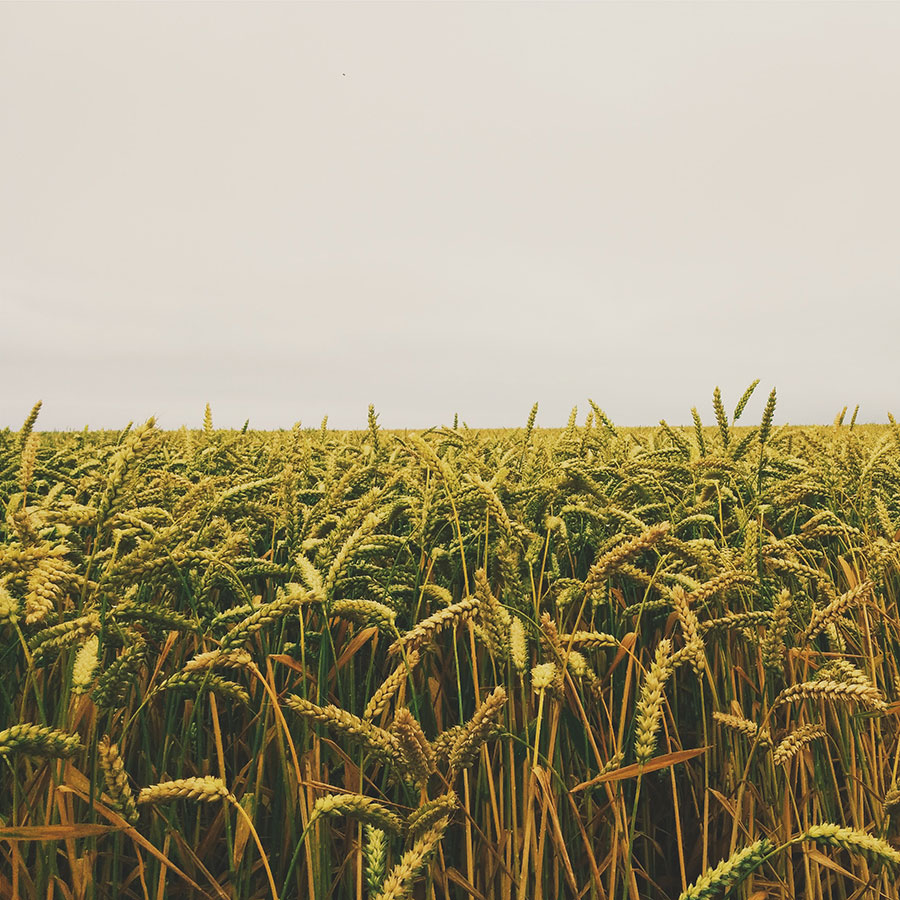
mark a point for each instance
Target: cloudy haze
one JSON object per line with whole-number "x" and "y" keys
{"x": 289, "y": 210}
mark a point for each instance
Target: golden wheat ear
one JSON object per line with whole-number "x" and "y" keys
{"x": 202, "y": 790}
{"x": 476, "y": 731}
{"x": 790, "y": 746}
{"x": 743, "y": 726}
{"x": 390, "y": 686}
{"x": 435, "y": 623}
{"x": 376, "y": 740}
{"x": 398, "y": 884}
{"x": 117, "y": 785}
{"x": 891, "y": 801}
{"x": 649, "y": 707}
{"x": 364, "y": 809}
{"x": 415, "y": 750}
{"x": 428, "y": 814}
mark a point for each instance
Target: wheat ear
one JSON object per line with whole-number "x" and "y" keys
{"x": 477, "y": 730}
{"x": 356, "y": 806}
{"x": 650, "y": 705}
{"x": 376, "y": 740}
{"x": 435, "y": 623}
{"x": 389, "y": 687}
{"x": 38, "y": 740}
{"x": 790, "y": 746}
{"x": 399, "y": 882}
{"x": 117, "y": 785}
{"x": 826, "y": 689}
{"x": 836, "y": 608}
{"x": 745, "y": 727}
{"x": 872, "y": 848}
{"x": 622, "y": 553}
{"x": 205, "y": 790}
{"x": 728, "y": 872}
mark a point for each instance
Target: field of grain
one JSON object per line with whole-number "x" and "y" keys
{"x": 589, "y": 662}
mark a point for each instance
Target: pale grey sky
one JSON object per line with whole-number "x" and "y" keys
{"x": 294, "y": 209}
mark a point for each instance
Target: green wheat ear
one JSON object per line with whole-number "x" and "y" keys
{"x": 895, "y": 429}
{"x": 571, "y": 424}
{"x": 529, "y": 425}
{"x": 29, "y": 460}
{"x": 373, "y": 428}
{"x": 721, "y": 417}
{"x": 375, "y": 853}
{"x": 117, "y": 785}
{"x": 38, "y": 740}
{"x": 737, "y": 867}
{"x": 604, "y": 419}
{"x": 875, "y": 850}
{"x": 27, "y": 426}
{"x": 745, "y": 397}
{"x": 765, "y": 428}
{"x": 698, "y": 431}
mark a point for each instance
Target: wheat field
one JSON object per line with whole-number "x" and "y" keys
{"x": 590, "y": 662}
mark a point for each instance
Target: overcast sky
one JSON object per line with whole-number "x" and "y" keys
{"x": 289, "y": 210}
